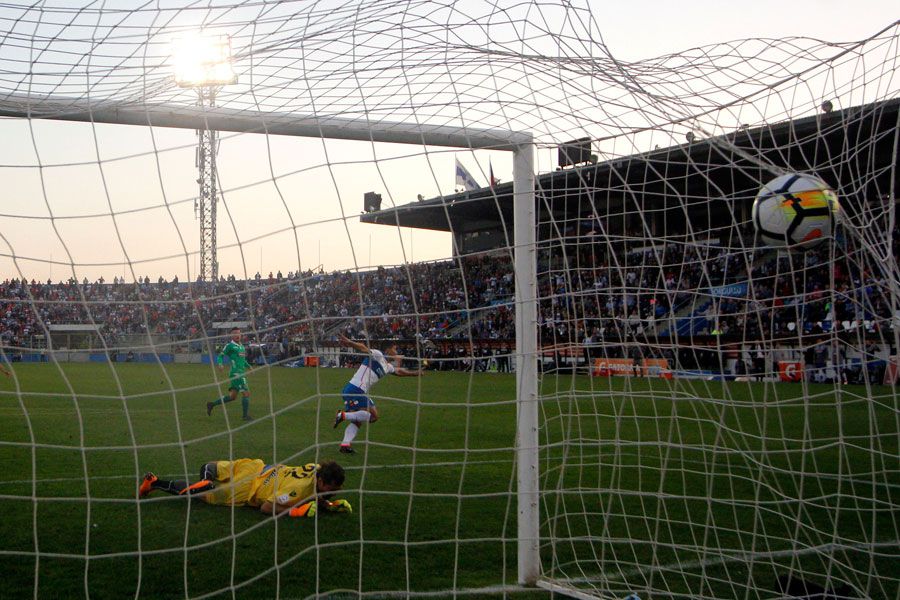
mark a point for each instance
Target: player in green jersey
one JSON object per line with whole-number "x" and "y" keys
{"x": 237, "y": 354}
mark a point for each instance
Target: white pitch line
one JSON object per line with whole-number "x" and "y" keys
{"x": 742, "y": 558}
{"x": 421, "y": 465}
{"x": 355, "y": 594}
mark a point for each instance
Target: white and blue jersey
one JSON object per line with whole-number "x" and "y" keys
{"x": 374, "y": 367}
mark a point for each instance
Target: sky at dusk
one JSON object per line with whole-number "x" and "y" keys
{"x": 112, "y": 200}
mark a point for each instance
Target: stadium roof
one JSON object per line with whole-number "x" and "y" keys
{"x": 842, "y": 147}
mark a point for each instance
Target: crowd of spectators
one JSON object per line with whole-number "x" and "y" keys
{"x": 590, "y": 292}
{"x": 425, "y": 300}
{"x": 820, "y": 291}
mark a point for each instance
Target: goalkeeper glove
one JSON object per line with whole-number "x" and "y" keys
{"x": 340, "y": 506}
{"x": 304, "y": 510}
{"x": 310, "y": 508}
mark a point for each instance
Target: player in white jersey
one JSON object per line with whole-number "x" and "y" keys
{"x": 358, "y": 407}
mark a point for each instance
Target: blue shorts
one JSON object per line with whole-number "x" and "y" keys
{"x": 355, "y": 398}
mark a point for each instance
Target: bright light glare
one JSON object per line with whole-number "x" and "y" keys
{"x": 200, "y": 60}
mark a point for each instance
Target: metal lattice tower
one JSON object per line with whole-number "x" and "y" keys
{"x": 203, "y": 62}
{"x": 209, "y": 191}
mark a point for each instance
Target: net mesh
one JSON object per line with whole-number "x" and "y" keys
{"x": 713, "y": 416}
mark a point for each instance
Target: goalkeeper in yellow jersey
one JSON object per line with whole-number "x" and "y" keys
{"x": 237, "y": 355}
{"x": 273, "y": 489}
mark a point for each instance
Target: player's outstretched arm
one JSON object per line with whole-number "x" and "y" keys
{"x": 274, "y": 508}
{"x": 358, "y": 346}
{"x": 313, "y": 507}
{"x": 307, "y": 509}
{"x": 408, "y": 372}
{"x": 299, "y": 508}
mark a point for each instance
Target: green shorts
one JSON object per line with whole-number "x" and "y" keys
{"x": 239, "y": 384}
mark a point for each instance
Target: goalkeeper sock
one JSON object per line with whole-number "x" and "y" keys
{"x": 197, "y": 488}
{"x": 245, "y": 405}
{"x": 359, "y": 416}
{"x": 169, "y": 487}
{"x": 209, "y": 471}
{"x": 350, "y": 433}
{"x": 180, "y": 487}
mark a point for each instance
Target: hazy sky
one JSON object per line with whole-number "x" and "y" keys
{"x": 105, "y": 195}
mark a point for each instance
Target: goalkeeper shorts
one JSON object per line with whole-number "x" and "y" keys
{"x": 236, "y": 481}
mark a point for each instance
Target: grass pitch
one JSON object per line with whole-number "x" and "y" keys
{"x": 670, "y": 489}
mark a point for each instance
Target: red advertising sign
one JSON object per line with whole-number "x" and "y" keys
{"x": 790, "y": 370}
{"x": 656, "y": 367}
{"x": 604, "y": 367}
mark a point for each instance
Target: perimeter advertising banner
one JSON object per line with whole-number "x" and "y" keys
{"x": 656, "y": 367}
{"x": 790, "y": 370}
{"x": 604, "y": 367}
{"x": 649, "y": 367}
{"x": 734, "y": 290}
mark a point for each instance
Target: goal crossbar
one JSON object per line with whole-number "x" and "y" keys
{"x": 251, "y": 121}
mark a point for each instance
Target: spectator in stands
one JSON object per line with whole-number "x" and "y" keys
{"x": 503, "y": 359}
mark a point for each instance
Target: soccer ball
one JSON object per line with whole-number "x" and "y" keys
{"x": 795, "y": 210}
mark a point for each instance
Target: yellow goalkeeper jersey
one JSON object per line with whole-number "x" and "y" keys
{"x": 282, "y": 484}
{"x": 247, "y": 481}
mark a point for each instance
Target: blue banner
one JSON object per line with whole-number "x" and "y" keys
{"x": 735, "y": 290}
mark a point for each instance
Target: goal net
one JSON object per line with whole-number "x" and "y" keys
{"x": 610, "y": 384}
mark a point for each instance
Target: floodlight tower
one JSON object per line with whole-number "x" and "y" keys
{"x": 204, "y": 64}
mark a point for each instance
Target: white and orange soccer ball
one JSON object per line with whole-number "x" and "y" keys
{"x": 796, "y": 211}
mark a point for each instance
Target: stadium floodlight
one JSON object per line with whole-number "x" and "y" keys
{"x": 200, "y": 60}
{"x": 204, "y": 63}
